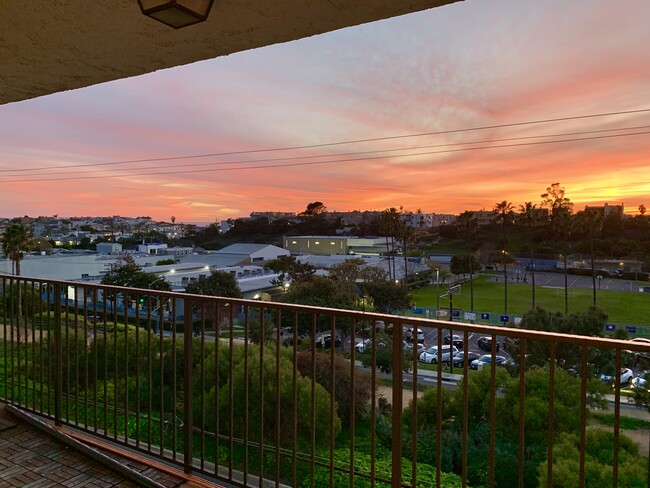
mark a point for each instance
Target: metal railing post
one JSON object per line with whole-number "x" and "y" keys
{"x": 396, "y": 417}
{"x": 58, "y": 359}
{"x": 188, "y": 382}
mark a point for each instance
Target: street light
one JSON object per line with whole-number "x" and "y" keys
{"x": 437, "y": 289}
{"x": 155, "y": 281}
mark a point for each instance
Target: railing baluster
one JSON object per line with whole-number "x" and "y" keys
{"x": 492, "y": 441}
{"x": 617, "y": 414}
{"x": 58, "y": 352}
{"x": 188, "y": 383}
{"x": 551, "y": 414}
{"x": 522, "y": 410}
{"x": 396, "y": 420}
{"x": 465, "y": 410}
{"x": 583, "y": 414}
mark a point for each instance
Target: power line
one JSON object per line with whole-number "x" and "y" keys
{"x": 313, "y": 163}
{"x": 378, "y": 151}
{"x": 339, "y": 143}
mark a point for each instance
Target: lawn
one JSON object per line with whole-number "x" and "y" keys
{"x": 621, "y": 307}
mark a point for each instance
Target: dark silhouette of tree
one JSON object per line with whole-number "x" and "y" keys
{"x": 314, "y": 209}
{"x": 16, "y": 239}
{"x": 560, "y": 209}
{"x": 390, "y": 227}
{"x": 529, "y": 216}
{"x": 504, "y": 215}
{"x": 217, "y": 283}
{"x": 590, "y": 222}
{"x": 469, "y": 225}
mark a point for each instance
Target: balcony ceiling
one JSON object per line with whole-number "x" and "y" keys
{"x": 57, "y": 45}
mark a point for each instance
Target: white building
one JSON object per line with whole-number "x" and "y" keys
{"x": 109, "y": 248}
{"x": 153, "y": 248}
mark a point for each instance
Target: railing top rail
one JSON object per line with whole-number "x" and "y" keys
{"x": 397, "y": 320}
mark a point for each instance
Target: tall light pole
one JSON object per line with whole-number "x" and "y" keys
{"x": 437, "y": 290}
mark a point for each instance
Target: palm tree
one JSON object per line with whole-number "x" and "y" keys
{"x": 468, "y": 223}
{"x": 503, "y": 214}
{"x": 590, "y": 221}
{"x": 529, "y": 216}
{"x": 16, "y": 240}
{"x": 389, "y": 227}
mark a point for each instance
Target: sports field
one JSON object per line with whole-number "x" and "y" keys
{"x": 622, "y": 307}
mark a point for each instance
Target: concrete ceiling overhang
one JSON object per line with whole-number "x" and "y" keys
{"x": 50, "y": 46}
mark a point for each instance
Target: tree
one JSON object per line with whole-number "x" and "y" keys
{"x": 560, "y": 208}
{"x": 314, "y": 209}
{"x": 555, "y": 200}
{"x": 590, "y": 222}
{"x": 173, "y": 219}
{"x": 321, "y": 291}
{"x": 343, "y": 394}
{"x": 16, "y": 239}
{"x": 349, "y": 270}
{"x": 290, "y": 269}
{"x": 568, "y": 356}
{"x": 127, "y": 273}
{"x": 389, "y": 227}
{"x": 528, "y": 216}
{"x": 387, "y": 296}
{"x": 463, "y": 263}
{"x": 503, "y": 216}
{"x": 599, "y": 460}
{"x": 642, "y": 209}
{"x": 469, "y": 225}
{"x": 217, "y": 283}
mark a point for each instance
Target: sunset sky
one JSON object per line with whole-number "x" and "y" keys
{"x": 468, "y": 65}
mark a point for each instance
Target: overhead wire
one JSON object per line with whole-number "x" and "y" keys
{"x": 312, "y": 163}
{"x": 356, "y": 153}
{"x": 337, "y": 143}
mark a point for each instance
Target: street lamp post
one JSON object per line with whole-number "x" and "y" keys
{"x": 437, "y": 290}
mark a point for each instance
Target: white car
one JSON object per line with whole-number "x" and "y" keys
{"x": 641, "y": 380}
{"x": 365, "y": 345}
{"x": 626, "y": 376}
{"x": 431, "y": 355}
{"x": 412, "y": 333}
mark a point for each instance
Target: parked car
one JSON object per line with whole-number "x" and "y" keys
{"x": 365, "y": 345}
{"x": 408, "y": 347}
{"x": 455, "y": 340}
{"x": 412, "y": 333}
{"x": 641, "y": 380}
{"x": 486, "y": 360}
{"x": 626, "y": 375}
{"x": 381, "y": 326}
{"x": 462, "y": 356}
{"x": 431, "y": 355}
{"x": 325, "y": 341}
{"x": 485, "y": 343}
{"x": 642, "y": 340}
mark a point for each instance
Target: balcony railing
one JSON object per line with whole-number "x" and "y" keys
{"x": 251, "y": 393}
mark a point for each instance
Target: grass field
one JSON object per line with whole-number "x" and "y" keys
{"x": 621, "y": 307}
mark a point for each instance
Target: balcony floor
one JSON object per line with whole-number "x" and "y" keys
{"x": 30, "y": 457}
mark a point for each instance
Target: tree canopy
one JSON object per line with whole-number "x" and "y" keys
{"x": 15, "y": 241}
{"x": 217, "y": 283}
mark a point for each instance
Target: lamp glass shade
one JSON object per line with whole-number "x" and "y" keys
{"x": 176, "y": 13}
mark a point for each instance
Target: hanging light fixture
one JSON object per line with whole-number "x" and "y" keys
{"x": 176, "y": 13}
